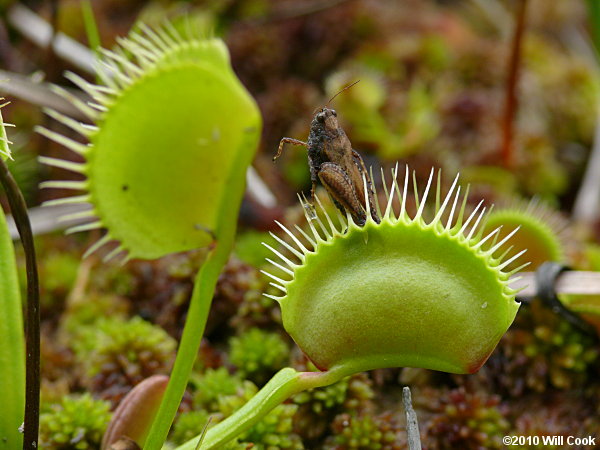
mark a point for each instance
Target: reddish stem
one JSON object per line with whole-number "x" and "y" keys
{"x": 511, "y": 101}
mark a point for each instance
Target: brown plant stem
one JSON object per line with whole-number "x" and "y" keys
{"x": 32, "y": 328}
{"x": 511, "y": 101}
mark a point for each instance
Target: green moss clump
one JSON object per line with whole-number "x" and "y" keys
{"x": 463, "y": 419}
{"x": 81, "y": 316}
{"x": 258, "y": 354}
{"x": 60, "y": 270}
{"x": 257, "y": 310}
{"x": 541, "y": 352}
{"x": 118, "y": 354}
{"x": 324, "y": 398}
{"x": 318, "y": 407}
{"x": 76, "y": 423}
{"x": 132, "y": 342}
{"x": 365, "y": 432}
{"x": 212, "y": 385}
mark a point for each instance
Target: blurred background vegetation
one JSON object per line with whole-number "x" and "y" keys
{"x": 435, "y": 90}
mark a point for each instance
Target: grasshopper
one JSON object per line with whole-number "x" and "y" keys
{"x": 338, "y": 167}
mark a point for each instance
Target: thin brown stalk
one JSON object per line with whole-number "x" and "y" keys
{"x": 511, "y": 100}
{"x": 32, "y": 329}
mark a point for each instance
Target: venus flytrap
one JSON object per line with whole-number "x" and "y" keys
{"x": 406, "y": 292}
{"x": 172, "y": 136}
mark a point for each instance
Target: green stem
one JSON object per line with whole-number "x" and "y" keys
{"x": 282, "y": 386}
{"x": 91, "y": 29}
{"x": 200, "y": 302}
{"x": 204, "y": 287}
{"x": 32, "y": 329}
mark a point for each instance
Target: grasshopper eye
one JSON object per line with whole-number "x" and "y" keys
{"x": 321, "y": 117}
{"x": 333, "y": 111}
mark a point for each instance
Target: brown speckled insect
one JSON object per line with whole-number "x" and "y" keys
{"x": 334, "y": 163}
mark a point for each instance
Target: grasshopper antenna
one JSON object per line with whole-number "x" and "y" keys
{"x": 340, "y": 91}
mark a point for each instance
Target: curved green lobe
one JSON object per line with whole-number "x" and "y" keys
{"x": 157, "y": 181}
{"x": 406, "y": 295}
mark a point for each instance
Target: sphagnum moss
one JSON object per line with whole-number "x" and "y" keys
{"x": 405, "y": 292}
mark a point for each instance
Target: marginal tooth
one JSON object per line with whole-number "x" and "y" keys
{"x": 96, "y": 245}
{"x": 310, "y": 220}
{"x": 323, "y": 227}
{"x": 459, "y": 220}
{"x": 145, "y": 43}
{"x": 143, "y": 56}
{"x": 99, "y": 107}
{"x": 87, "y": 214}
{"x": 106, "y": 76}
{"x": 75, "y": 146}
{"x": 466, "y": 224}
{"x": 508, "y": 261}
{"x": 504, "y": 253}
{"x": 475, "y": 225}
{"x": 285, "y": 269}
{"x": 119, "y": 77}
{"x": 86, "y": 86}
{"x": 513, "y": 279}
{"x": 75, "y": 101}
{"x": 294, "y": 238}
{"x": 404, "y": 194}
{"x": 415, "y": 189}
{"x": 438, "y": 188}
{"x": 125, "y": 259}
{"x": 62, "y": 164}
{"x": 132, "y": 69}
{"x": 288, "y": 246}
{"x": 64, "y": 184}
{"x": 283, "y": 258}
{"x": 451, "y": 216}
{"x": 273, "y": 297}
{"x": 279, "y": 280}
{"x": 84, "y": 227}
{"x": 424, "y": 199}
{"x": 174, "y": 32}
{"x": 390, "y": 198}
{"x": 367, "y": 202}
{"x": 67, "y": 200}
{"x": 114, "y": 252}
{"x": 281, "y": 288}
{"x": 73, "y": 124}
{"x": 518, "y": 269}
{"x": 446, "y": 200}
{"x": 167, "y": 38}
{"x": 306, "y": 236}
{"x": 484, "y": 240}
{"x": 334, "y": 230}
{"x": 384, "y": 184}
{"x": 155, "y": 38}
{"x": 375, "y": 196}
{"x": 503, "y": 241}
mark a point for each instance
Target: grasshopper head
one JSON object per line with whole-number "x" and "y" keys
{"x": 327, "y": 119}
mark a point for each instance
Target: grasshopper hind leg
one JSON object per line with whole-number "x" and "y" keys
{"x": 342, "y": 192}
